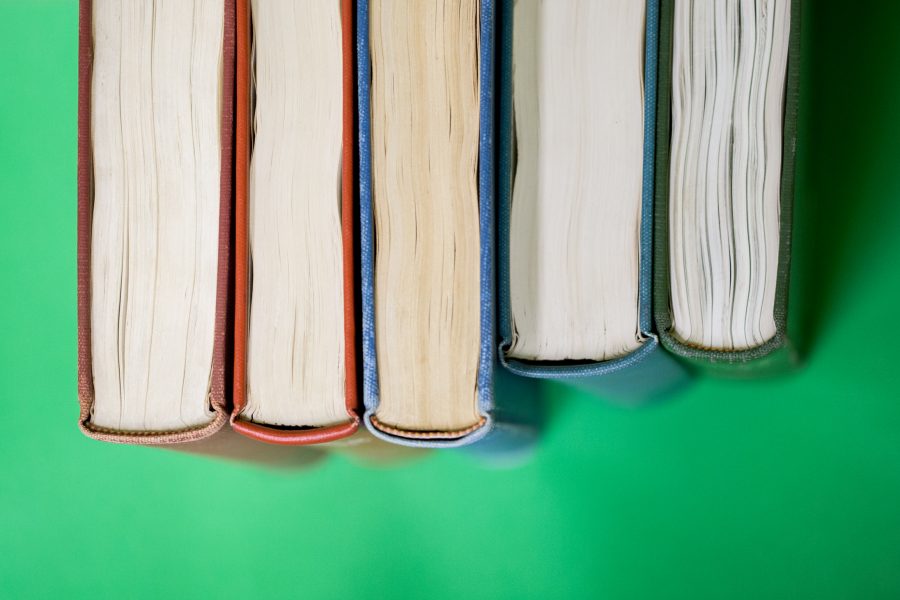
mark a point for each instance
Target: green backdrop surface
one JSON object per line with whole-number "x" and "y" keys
{"x": 786, "y": 488}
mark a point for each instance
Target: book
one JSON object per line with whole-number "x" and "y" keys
{"x": 425, "y": 76}
{"x": 420, "y": 75}
{"x": 576, "y": 162}
{"x": 295, "y": 318}
{"x": 154, "y": 209}
{"x": 727, "y": 139}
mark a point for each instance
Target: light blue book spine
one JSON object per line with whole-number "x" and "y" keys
{"x": 648, "y": 370}
{"x": 504, "y": 433}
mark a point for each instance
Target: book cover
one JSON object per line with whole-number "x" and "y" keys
{"x": 778, "y": 354}
{"x": 646, "y": 371}
{"x": 505, "y": 433}
{"x": 218, "y": 401}
{"x": 258, "y": 431}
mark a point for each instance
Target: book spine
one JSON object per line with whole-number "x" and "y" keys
{"x": 618, "y": 379}
{"x": 218, "y": 392}
{"x": 778, "y": 354}
{"x": 257, "y": 431}
{"x": 486, "y": 228}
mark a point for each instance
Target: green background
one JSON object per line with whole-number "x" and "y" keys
{"x": 781, "y": 488}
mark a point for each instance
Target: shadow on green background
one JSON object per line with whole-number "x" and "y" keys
{"x": 784, "y": 488}
{"x": 848, "y": 176}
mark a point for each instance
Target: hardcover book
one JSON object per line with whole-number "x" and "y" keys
{"x": 295, "y": 379}
{"x": 426, "y": 113}
{"x": 575, "y": 216}
{"x": 154, "y": 218}
{"x": 729, "y": 90}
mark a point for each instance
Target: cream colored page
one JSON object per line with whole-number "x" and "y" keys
{"x": 576, "y": 205}
{"x": 295, "y": 357}
{"x": 156, "y": 119}
{"x": 425, "y": 126}
{"x": 729, "y": 69}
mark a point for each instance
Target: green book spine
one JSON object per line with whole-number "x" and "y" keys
{"x": 778, "y": 354}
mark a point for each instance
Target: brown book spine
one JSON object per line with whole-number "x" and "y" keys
{"x": 217, "y": 394}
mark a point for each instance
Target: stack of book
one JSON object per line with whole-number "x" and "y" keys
{"x": 302, "y": 218}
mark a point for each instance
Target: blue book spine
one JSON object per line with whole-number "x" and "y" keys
{"x": 510, "y": 433}
{"x": 647, "y": 370}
